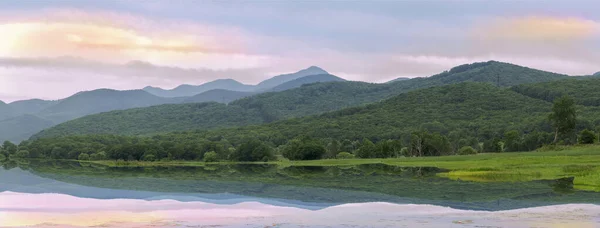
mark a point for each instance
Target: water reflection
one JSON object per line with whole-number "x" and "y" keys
{"x": 307, "y": 187}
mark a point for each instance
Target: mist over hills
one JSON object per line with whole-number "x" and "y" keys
{"x": 48, "y": 113}
{"x": 306, "y": 100}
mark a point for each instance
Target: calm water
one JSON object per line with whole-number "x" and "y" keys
{"x": 266, "y": 194}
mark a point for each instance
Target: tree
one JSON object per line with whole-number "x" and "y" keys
{"x": 9, "y": 147}
{"x": 367, "y": 150}
{"x": 466, "y": 150}
{"x": 587, "y": 137}
{"x": 83, "y": 157}
{"x": 253, "y": 150}
{"x": 344, "y": 155}
{"x": 333, "y": 149}
{"x": 210, "y": 156}
{"x": 563, "y": 117}
{"x": 512, "y": 140}
{"x": 303, "y": 149}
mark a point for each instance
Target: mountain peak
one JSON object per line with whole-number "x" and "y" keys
{"x": 313, "y": 70}
{"x": 597, "y": 73}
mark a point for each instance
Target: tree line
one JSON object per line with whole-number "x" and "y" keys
{"x": 211, "y": 148}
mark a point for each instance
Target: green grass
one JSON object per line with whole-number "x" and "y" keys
{"x": 581, "y": 162}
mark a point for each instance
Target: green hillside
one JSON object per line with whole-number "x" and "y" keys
{"x": 163, "y": 118}
{"x": 304, "y": 101}
{"x": 478, "y": 109}
{"x": 585, "y": 91}
{"x": 446, "y": 118}
{"x": 218, "y": 95}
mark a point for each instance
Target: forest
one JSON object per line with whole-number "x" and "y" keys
{"x": 457, "y": 119}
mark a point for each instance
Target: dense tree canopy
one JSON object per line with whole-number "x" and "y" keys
{"x": 435, "y": 121}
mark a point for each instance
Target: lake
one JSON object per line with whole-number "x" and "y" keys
{"x": 72, "y": 194}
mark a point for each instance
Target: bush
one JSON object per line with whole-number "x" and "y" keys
{"x": 344, "y": 155}
{"x": 83, "y": 157}
{"x": 98, "y": 156}
{"x": 587, "y": 137}
{"x": 466, "y": 150}
{"x": 2, "y": 157}
{"x": 210, "y": 157}
{"x": 149, "y": 157}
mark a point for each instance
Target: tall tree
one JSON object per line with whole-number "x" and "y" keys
{"x": 564, "y": 116}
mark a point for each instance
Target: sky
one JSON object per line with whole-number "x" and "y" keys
{"x": 53, "y": 49}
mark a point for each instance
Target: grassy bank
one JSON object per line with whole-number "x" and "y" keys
{"x": 581, "y": 162}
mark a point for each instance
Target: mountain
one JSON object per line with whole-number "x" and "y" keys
{"x": 502, "y": 74}
{"x": 460, "y": 106}
{"x": 6, "y": 111}
{"x": 478, "y": 112}
{"x": 101, "y": 100}
{"x": 31, "y": 106}
{"x": 596, "y": 74}
{"x": 191, "y": 90}
{"x": 584, "y": 90}
{"x": 398, "y": 79}
{"x": 306, "y": 80}
{"x": 218, "y": 95}
{"x": 233, "y": 85}
{"x": 303, "y": 101}
{"x": 278, "y": 80}
{"x": 22, "y": 127}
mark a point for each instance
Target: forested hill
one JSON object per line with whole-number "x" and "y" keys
{"x": 307, "y": 100}
{"x": 585, "y": 90}
{"x": 306, "y": 80}
{"x": 473, "y": 109}
{"x": 443, "y": 118}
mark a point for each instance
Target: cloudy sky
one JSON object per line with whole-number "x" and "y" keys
{"x": 52, "y": 49}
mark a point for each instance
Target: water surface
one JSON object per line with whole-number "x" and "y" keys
{"x": 68, "y": 192}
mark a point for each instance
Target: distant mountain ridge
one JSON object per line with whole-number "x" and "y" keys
{"x": 306, "y": 80}
{"x": 302, "y": 101}
{"x": 50, "y": 113}
{"x": 233, "y": 85}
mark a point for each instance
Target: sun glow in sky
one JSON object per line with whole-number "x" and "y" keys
{"x": 79, "y": 45}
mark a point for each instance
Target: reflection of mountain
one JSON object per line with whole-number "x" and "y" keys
{"x": 302, "y": 187}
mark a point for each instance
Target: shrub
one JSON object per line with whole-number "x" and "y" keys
{"x": 466, "y": 150}
{"x": 344, "y": 155}
{"x": 210, "y": 156}
{"x": 149, "y": 157}
{"x": 587, "y": 137}
{"x": 83, "y": 157}
{"x": 2, "y": 157}
{"x": 98, "y": 156}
